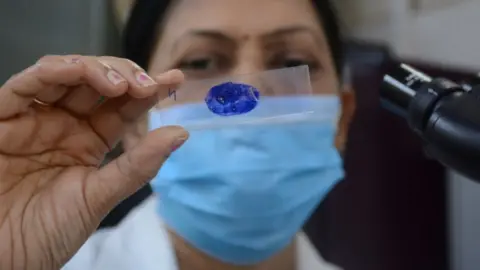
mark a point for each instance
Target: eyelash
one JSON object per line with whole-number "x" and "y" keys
{"x": 201, "y": 63}
{"x": 222, "y": 63}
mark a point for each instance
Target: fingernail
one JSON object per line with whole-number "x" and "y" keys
{"x": 144, "y": 79}
{"x": 178, "y": 142}
{"x": 114, "y": 77}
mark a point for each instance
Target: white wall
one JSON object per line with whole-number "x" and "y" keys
{"x": 449, "y": 35}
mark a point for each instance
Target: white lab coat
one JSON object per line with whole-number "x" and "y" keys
{"x": 141, "y": 241}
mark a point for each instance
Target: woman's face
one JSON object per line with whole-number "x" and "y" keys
{"x": 211, "y": 38}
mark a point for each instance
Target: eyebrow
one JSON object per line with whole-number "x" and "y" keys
{"x": 316, "y": 35}
{"x": 219, "y": 35}
{"x": 211, "y": 34}
{"x": 290, "y": 30}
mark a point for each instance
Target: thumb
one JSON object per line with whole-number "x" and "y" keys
{"x": 133, "y": 169}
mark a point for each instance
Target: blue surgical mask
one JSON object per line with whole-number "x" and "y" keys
{"x": 240, "y": 194}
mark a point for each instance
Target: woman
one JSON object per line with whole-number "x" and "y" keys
{"x": 204, "y": 39}
{"x": 213, "y": 38}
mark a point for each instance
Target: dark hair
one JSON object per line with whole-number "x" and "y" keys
{"x": 140, "y": 32}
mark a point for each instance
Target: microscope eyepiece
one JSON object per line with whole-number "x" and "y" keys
{"x": 413, "y": 94}
{"x": 444, "y": 114}
{"x": 400, "y": 86}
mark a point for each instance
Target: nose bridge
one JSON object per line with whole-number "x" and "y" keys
{"x": 249, "y": 58}
{"x": 250, "y": 64}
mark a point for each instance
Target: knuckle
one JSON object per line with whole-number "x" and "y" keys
{"x": 72, "y": 58}
{"x": 108, "y": 59}
{"x": 89, "y": 61}
{"x": 132, "y": 168}
{"x": 126, "y": 63}
{"x": 122, "y": 65}
{"x": 36, "y": 70}
{"x": 105, "y": 63}
{"x": 133, "y": 64}
{"x": 48, "y": 58}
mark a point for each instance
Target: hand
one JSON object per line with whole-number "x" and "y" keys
{"x": 54, "y": 133}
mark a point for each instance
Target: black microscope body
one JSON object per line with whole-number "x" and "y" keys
{"x": 445, "y": 115}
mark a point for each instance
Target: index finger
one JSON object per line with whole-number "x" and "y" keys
{"x": 21, "y": 89}
{"x": 18, "y": 93}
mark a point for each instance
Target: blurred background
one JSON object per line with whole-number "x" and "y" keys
{"x": 397, "y": 209}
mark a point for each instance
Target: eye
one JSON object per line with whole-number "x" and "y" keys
{"x": 205, "y": 63}
{"x": 294, "y": 62}
{"x": 202, "y": 65}
{"x": 198, "y": 64}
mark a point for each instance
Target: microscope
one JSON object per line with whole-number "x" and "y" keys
{"x": 444, "y": 114}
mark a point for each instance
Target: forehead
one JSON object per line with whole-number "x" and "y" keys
{"x": 243, "y": 18}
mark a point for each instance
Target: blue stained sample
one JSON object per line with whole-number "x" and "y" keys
{"x": 230, "y": 98}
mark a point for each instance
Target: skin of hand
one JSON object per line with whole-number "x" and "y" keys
{"x": 52, "y": 192}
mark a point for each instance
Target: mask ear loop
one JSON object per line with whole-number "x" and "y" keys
{"x": 345, "y": 87}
